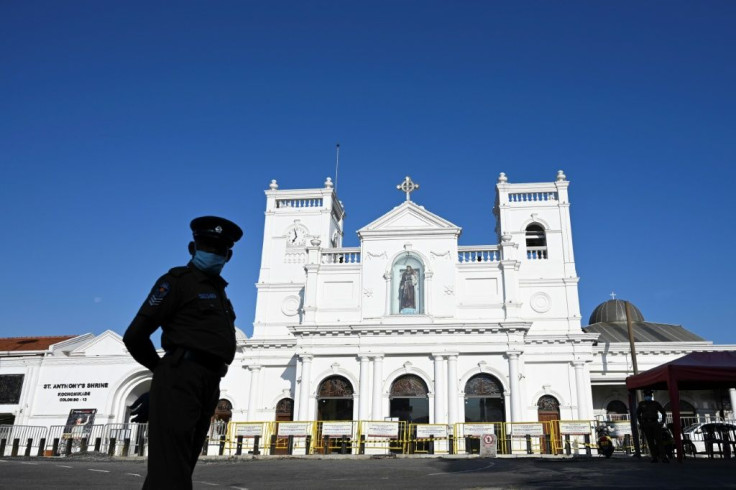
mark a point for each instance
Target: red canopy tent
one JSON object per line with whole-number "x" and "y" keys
{"x": 695, "y": 371}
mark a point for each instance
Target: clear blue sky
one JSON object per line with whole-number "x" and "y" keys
{"x": 122, "y": 120}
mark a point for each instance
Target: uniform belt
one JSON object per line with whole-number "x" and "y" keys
{"x": 209, "y": 361}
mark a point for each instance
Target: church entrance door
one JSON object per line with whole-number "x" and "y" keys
{"x": 548, "y": 411}
{"x": 334, "y": 403}
{"x": 409, "y": 403}
{"x": 284, "y": 413}
{"x": 484, "y": 402}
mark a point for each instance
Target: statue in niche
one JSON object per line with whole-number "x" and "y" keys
{"x": 408, "y": 290}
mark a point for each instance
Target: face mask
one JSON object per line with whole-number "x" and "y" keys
{"x": 649, "y": 398}
{"x": 208, "y": 262}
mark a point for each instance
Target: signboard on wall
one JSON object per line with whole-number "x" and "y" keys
{"x": 79, "y": 423}
{"x": 57, "y": 394}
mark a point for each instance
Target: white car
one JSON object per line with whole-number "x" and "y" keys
{"x": 717, "y": 436}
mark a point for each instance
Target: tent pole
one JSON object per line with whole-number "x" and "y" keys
{"x": 674, "y": 393}
{"x": 634, "y": 425}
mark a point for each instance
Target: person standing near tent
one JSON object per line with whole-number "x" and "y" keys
{"x": 648, "y": 415}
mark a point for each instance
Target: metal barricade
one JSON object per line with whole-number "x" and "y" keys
{"x": 248, "y": 438}
{"x": 21, "y": 440}
{"x": 529, "y": 437}
{"x": 383, "y": 437}
{"x": 336, "y": 437}
{"x": 127, "y": 439}
{"x": 466, "y": 436}
{"x": 430, "y": 439}
{"x": 292, "y": 437}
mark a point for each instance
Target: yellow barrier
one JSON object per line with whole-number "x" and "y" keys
{"x": 552, "y": 437}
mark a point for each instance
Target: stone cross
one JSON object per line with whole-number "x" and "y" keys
{"x": 613, "y": 295}
{"x": 407, "y": 186}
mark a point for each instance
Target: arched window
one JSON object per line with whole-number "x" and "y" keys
{"x": 484, "y": 399}
{"x": 335, "y": 399}
{"x": 536, "y": 242}
{"x": 285, "y": 410}
{"x": 616, "y": 410}
{"x": 409, "y": 400}
{"x": 686, "y": 409}
{"x": 407, "y": 285}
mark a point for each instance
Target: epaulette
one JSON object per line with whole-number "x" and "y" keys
{"x": 179, "y": 271}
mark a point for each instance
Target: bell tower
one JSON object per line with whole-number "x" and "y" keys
{"x": 294, "y": 220}
{"x": 533, "y": 224}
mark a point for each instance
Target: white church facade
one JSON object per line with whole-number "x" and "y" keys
{"x": 408, "y": 326}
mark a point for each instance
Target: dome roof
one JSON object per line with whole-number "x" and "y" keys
{"x": 614, "y": 310}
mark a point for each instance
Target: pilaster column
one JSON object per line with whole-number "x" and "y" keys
{"x": 363, "y": 389}
{"x": 514, "y": 387}
{"x": 452, "y": 391}
{"x": 387, "y": 278}
{"x": 439, "y": 390}
{"x": 377, "y": 412}
{"x": 310, "y": 288}
{"x": 427, "y": 291}
{"x": 304, "y": 389}
{"x": 580, "y": 390}
{"x": 732, "y": 395}
{"x": 255, "y": 378}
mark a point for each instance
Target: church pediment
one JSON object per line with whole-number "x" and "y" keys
{"x": 409, "y": 218}
{"x": 107, "y": 343}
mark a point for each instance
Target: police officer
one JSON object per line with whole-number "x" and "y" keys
{"x": 648, "y": 414}
{"x": 198, "y": 325}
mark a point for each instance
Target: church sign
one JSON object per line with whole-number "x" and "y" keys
{"x": 382, "y": 429}
{"x": 296, "y": 429}
{"x": 427, "y": 431}
{"x": 575, "y": 428}
{"x": 523, "y": 430}
{"x": 249, "y": 430}
{"x": 337, "y": 429}
{"x": 478, "y": 430}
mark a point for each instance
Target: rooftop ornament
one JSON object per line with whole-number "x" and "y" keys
{"x": 408, "y": 186}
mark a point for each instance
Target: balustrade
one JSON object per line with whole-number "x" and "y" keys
{"x": 299, "y": 203}
{"x": 533, "y": 196}
{"x": 478, "y": 254}
{"x": 341, "y": 256}
{"x": 536, "y": 253}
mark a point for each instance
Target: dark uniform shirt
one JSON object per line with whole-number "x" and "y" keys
{"x": 194, "y": 313}
{"x": 649, "y": 412}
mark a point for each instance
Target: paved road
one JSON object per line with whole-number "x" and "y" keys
{"x": 386, "y": 473}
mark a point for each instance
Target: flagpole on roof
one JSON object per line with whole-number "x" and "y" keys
{"x": 337, "y": 164}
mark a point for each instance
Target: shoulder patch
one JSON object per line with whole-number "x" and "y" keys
{"x": 159, "y": 293}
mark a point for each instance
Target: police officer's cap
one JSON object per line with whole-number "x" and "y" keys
{"x": 648, "y": 392}
{"x": 217, "y": 228}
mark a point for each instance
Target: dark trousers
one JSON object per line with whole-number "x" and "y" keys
{"x": 183, "y": 399}
{"x": 655, "y": 440}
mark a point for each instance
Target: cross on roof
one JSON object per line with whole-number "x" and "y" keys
{"x": 407, "y": 186}
{"x": 613, "y": 295}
